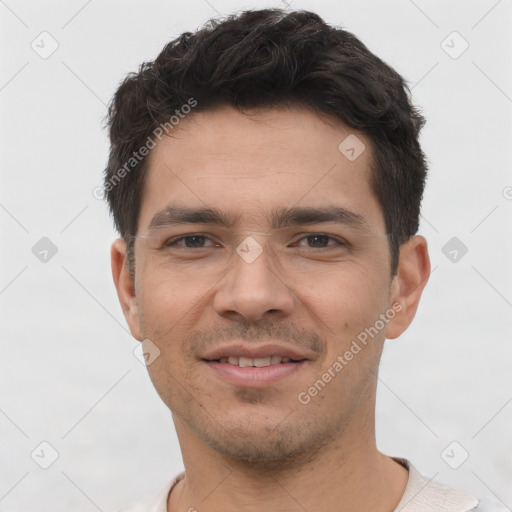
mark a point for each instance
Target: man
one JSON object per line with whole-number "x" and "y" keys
{"x": 265, "y": 175}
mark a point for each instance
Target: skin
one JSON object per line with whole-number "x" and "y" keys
{"x": 260, "y": 449}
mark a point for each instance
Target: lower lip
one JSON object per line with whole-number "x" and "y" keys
{"x": 252, "y": 376}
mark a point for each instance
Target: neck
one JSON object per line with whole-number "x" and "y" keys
{"x": 348, "y": 474}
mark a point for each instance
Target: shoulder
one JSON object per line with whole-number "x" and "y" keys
{"x": 423, "y": 494}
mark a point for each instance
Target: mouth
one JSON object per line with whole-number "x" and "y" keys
{"x": 255, "y": 362}
{"x": 254, "y": 372}
{"x": 256, "y": 365}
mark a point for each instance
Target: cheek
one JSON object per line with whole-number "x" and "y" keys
{"x": 345, "y": 301}
{"x": 166, "y": 310}
{"x": 166, "y": 307}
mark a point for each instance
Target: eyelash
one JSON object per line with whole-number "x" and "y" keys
{"x": 174, "y": 241}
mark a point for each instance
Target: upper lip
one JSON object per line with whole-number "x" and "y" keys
{"x": 266, "y": 350}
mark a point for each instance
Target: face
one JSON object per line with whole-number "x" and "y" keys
{"x": 295, "y": 264}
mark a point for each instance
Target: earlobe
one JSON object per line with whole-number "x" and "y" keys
{"x": 125, "y": 286}
{"x": 408, "y": 284}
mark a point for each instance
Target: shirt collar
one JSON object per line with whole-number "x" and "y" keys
{"x": 423, "y": 494}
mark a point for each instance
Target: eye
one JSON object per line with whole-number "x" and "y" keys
{"x": 319, "y": 241}
{"x": 313, "y": 241}
{"x": 191, "y": 242}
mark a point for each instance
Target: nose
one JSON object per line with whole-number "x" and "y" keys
{"x": 253, "y": 287}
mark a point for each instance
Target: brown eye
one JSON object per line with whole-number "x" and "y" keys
{"x": 321, "y": 241}
{"x": 191, "y": 242}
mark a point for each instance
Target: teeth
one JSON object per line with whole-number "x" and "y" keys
{"x": 261, "y": 361}
{"x": 258, "y": 362}
{"x": 245, "y": 361}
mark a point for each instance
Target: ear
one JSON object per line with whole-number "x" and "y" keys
{"x": 125, "y": 286}
{"x": 408, "y": 284}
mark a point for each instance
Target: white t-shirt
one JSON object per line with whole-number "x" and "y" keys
{"x": 421, "y": 494}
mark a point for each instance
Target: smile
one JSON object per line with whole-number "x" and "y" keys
{"x": 257, "y": 362}
{"x": 254, "y": 372}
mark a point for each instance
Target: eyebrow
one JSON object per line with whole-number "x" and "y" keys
{"x": 280, "y": 218}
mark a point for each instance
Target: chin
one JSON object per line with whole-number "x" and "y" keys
{"x": 252, "y": 441}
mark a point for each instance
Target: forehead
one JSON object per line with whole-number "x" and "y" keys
{"x": 249, "y": 164}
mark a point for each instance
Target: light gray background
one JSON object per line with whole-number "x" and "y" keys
{"x": 68, "y": 374}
